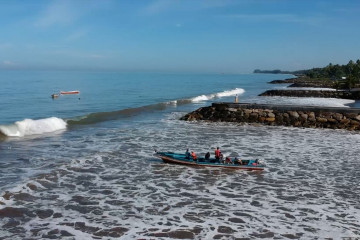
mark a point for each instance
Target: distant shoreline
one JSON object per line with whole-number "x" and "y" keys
{"x": 305, "y": 82}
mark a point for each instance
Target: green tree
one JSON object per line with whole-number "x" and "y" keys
{"x": 350, "y": 82}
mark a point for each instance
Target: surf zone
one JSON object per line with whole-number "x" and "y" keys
{"x": 29, "y": 127}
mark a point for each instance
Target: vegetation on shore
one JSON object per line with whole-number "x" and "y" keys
{"x": 337, "y": 76}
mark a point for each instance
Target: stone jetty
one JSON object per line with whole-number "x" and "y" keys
{"x": 313, "y": 93}
{"x": 280, "y": 115}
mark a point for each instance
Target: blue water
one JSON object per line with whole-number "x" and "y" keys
{"x": 26, "y": 94}
{"x": 87, "y": 160}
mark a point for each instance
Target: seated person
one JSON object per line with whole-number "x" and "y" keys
{"x": 194, "y": 156}
{"x": 187, "y": 154}
{"x": 228, "y": 160}
{"x": 237, "y": 161}
{"x": 207, "y": 156}
{"x": 221, "y": 158}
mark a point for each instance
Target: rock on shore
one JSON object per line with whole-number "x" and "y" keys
{"x": 313, "y": 93}
{"x": 302, "y": 81}
{"x": 312, "y": 117}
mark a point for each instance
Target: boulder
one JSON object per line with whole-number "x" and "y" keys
{"x": 304, "y": 116}
{"x": 293, "y": 114}
{"x": 332, "y": 120}
{"x": 270, "y": 119}
{"x": 351, "y": 115}
{"x": 312, "y": 119}
{"x": 297, "y": 124}
{"x": 271, "y": 115}
{"x": 263, "y": 113}
{"x": 338, "y": 116}
{"x": 254, "y": 116}
{"x": 247, "y": 111}
{"x": 353, "y": 122}
{"x": 321, "y": 120}
{"x": 345, "y": 121}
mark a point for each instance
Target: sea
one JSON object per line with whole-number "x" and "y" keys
{"x": 82, "y": 166}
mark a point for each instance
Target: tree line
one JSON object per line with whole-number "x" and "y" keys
{"x": 343, "y": 76}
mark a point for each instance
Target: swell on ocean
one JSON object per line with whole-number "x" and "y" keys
{"x": 29, "y": 127}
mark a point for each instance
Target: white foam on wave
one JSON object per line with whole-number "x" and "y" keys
{"x": 304, "y": 88}
{"x": 231, "y": 92}
{"x": 29, "y": 127}
{"x": 200, "y": 98}
{"x": 227, "y": 93}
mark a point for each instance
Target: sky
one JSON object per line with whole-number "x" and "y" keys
{"x": 227, "y": 36}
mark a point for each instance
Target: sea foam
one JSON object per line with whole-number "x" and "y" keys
{"x": 228, "y": 93}
{"x": 28, "y": 127}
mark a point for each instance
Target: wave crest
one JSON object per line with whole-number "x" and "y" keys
{"x": 37, "y": 127}
{"x": 28, "y": 127}
{"x": 228, "y": 93}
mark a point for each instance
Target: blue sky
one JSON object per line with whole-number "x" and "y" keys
{"x": 230, "y": 36}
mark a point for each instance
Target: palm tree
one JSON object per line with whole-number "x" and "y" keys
{"x": 337, "y": 85}
{"x": 350, "y": 81}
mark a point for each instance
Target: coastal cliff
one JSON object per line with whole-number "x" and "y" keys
{"x": 280, "y": 115}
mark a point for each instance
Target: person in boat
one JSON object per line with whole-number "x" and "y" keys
{"x": 228, "y": 160}
{"x": 217, "y": 153}
{"x": 237, "y": 161}
{"x": 207, "y": 156}
{"x": 194, "y": 157}
{"x": 221, "y": 158}
{"x": 187, "y": 154}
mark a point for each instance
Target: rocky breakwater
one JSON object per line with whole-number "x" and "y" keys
{"x": 281, "y": 115}
{"x": 313, "y": 93}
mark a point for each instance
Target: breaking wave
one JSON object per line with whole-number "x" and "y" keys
{"x": 218, "y": 95}
{"x": 129, "y": 112}
{"x": 36, "y": 127}
{"x": 28, "y": 127}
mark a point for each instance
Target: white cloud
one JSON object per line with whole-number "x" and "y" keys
{"x": 58, "y": 12}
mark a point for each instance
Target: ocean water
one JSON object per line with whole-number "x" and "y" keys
{"x": 82, "y": 166}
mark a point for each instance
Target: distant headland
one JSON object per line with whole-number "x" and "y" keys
{"x": 340, "y": 77}
{"x": 278, "y": 71}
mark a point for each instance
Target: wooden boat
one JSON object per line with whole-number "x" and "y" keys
{"x": 177, "y": 158}
{"x": 69, "y": 92}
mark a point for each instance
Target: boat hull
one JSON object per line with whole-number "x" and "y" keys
{"x": 69, "y": 92}
{"x": 180, "y": 159}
